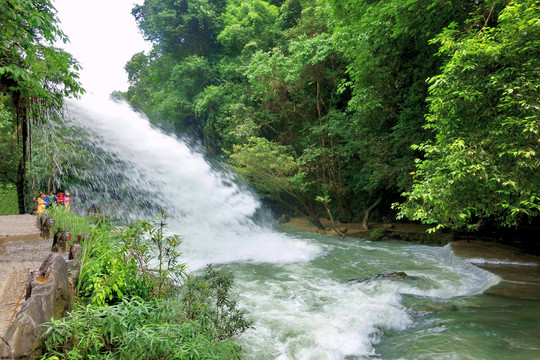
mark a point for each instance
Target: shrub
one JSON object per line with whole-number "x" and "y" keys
{"x": 137, "y": 301}
{"x": 207, "y": 298}
{"x": 135, "y": 329}
{"x": 8, "y": 194}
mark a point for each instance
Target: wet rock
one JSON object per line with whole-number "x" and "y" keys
{"x": 74, "y": 264}
{"x": 283, "y": 219}
{"x": 60, "y": 241}
{"x": 75, "y": 252}
{"x": 397, "y": 275}
{"x": 45, "y": 223}
{"x": 394, "y": 275}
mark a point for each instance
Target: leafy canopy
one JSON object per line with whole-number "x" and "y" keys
{"x": 30, "y": 64}
{"x": 484, "y": 162}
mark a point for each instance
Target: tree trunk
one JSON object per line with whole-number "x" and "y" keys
{"x": 315, "y": 220}
{"x": 21, "y": 184}
{"x": 333, "y": 222}
{"x": 368, "y": 211}
{"x": 312, "y": 214}
{"x": 21, "y": 173}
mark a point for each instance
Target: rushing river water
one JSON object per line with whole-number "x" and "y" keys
{"x": 297, "y": 287}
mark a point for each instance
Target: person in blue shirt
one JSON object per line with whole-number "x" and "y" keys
{"x": 47, "y": 201}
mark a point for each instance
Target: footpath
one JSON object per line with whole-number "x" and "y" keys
{"x": 21, "y": 250}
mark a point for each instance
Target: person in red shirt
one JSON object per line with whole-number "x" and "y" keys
{"x": 60, "y": 199}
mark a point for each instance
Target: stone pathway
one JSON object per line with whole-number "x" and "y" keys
{"x": 18, "y": 225}
{"x": 21, "y": 250}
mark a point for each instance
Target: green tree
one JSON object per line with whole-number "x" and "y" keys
{"x": 388, "y": 46}
{"x": 9, "y": 149}
{"x": 33, "y": 72}
{"x": 249, "y": 25}
{"x": 276, "y": 174}
{"x": 181, "y": 27}
{"x": 484, "y": 162}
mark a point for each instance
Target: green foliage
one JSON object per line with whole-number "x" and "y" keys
{"x": 146, "y": 243}
{"x": 387, "y": 43}
{"x": 176, "y": 100}
{"x": 8, "y": 196}
{"x": 229, "y": 121}
{"x": 207, "y": 298}
{"x": 9, "y": 147}
{"x": 74, "y": 224}
{"x": 337, "y": 91}
{"x": 139, "y": 260}
{"x": 180, "y": 28}
{"x": 138, "y": 302}
{"x": 484, "y": 161}
{"x": 34, "y": 74}
{"x": 277, "y": 174}
{"x": 269, "y": 166}
{"x": 249, "y": 25}
{"x": 37, "y": 69}
{"x": 135, "y": 329}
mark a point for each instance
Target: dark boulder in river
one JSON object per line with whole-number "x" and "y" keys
{"x": 396, "y": 275}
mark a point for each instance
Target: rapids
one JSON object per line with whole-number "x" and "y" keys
{"x": 295, "y": 286}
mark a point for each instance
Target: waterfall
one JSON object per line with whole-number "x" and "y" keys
{"x": 131, "y": 169}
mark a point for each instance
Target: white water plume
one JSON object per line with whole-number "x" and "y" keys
{"x": 138, "y": 170}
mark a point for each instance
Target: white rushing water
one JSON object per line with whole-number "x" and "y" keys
{"x": 216, "y": 217}
{"x": 295, "y": 287}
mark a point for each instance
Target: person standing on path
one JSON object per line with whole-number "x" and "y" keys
{"x": 60, "y": 199}
{"x": 41, "y": 204}
{"x": 68, "y": 200}
{"x": 47, "y": 200}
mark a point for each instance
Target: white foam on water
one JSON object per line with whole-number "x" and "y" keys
{"x": 305, "y": 313}
{"x": 482, "y": 261}
{"x": 309, "y": 316}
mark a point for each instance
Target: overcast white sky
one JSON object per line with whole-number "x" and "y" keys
{"x": 103, "y": 36}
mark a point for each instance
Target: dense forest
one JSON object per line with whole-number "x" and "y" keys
{"x": 419, "y": 109}
{"x": 424, "y": 109}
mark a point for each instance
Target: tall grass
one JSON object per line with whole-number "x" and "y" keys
{"x": 66, "y": 220}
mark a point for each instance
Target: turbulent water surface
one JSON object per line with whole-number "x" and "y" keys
{"x": 297, "y": 287}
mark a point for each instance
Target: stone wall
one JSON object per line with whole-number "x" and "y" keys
{"x": 49, "y": 294}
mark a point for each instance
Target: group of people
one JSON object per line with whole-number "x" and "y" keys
{"x": 44, "y": 201}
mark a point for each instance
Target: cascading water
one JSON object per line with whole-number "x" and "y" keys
{"x": 296, "y": 287}
{"x": 138, "y": 170}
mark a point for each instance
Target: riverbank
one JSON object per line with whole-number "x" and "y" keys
{"x": 518, "y": 269}
{"x": 376, "y": 231}
{"x": 525, "y": 238}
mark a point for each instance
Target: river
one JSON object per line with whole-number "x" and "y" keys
{"x": 447, "y": 308}
{"x": 311, "y": 296}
